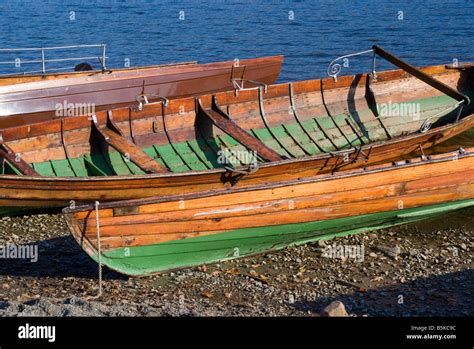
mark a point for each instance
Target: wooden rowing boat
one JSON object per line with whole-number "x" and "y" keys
{"x": 64, "y": 95}
{"x": 146, "y": 236}
{"x": 15, "y": 79}
{"x": 288, "y": 131}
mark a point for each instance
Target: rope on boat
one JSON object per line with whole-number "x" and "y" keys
{"x": 97, "y": 228}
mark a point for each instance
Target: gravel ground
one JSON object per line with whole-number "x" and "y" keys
{"x": 413, "y": 270}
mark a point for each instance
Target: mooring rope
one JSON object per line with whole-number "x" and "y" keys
{"x": 97, "y": 228}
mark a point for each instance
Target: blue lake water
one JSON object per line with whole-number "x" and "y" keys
{"x": 309, "y": 33}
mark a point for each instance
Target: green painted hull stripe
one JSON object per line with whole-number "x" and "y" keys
{"x": 141, "y": 260}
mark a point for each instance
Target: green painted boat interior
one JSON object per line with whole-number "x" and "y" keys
{"x": 141, "y": 260}
{"x": 328, "y": 134}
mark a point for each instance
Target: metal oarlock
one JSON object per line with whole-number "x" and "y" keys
{"x": 252, "y": 168}
{"x": 239, "y": 85}
{"x": 145, "y": 99}
{"x": 234, "y": 175}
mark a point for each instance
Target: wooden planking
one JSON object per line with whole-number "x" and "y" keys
{"x": 57, "y": 152}
{"x": 108, "y": 189}
{"x": 16, "y": 161}
{"x": 351, "y": 181}
{"x": 273, "y": 201}
{"x": 98, "y": 165}
{"x": 306, "y": 195}
{"x": 285, "y": 215}
{"x": 453, "y": 93}
{"x": 240, "y": 135}
{"x": 446, "y": 175}
{"x": 128, "y": 149}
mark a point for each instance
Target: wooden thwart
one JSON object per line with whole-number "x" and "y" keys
{"x": 16, "y": 161}
{"x": 128, "y": 149}
{"x": 239, "y": 134}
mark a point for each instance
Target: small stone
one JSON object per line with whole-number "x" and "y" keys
{"x": 335, "y": 309}
{"x": 291, "y": 299}
{"x": 373, "y": 255}
{"x": 391, "y": 252}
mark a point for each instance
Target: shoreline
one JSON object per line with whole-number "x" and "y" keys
{"x": 421, "y": 269}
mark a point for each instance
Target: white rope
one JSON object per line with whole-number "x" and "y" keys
{"x": 97, "y": 228}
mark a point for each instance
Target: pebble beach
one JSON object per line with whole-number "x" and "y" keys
{"x": 422, "y": 269}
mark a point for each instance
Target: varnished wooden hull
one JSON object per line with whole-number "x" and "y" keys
{"x": 76, "y": 162}
{"x": 22, "y": 192}
{"x": 15, "y": 79}
{"x": 151, "y": 235}
{"x": 36, "y": 101}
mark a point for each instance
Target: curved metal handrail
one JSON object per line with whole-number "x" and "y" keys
{"x": 427, "y": 123}
{"x": 335, "y": 68}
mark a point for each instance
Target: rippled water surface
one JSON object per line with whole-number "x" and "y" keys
{"x": 309, "y": 33}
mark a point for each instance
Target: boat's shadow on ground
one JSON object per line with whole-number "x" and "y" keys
{"x": 441, "y": 295}
{"x": 59, "y": 258}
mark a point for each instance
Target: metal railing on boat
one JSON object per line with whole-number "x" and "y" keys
{"x": 43, "y": 61}
{"x": 463, "y": 100}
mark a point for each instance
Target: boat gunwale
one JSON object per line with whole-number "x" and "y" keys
{"x": 386, "y": 167}
{"x": 126, "y": 74}
{"x": 93, "y": 72}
